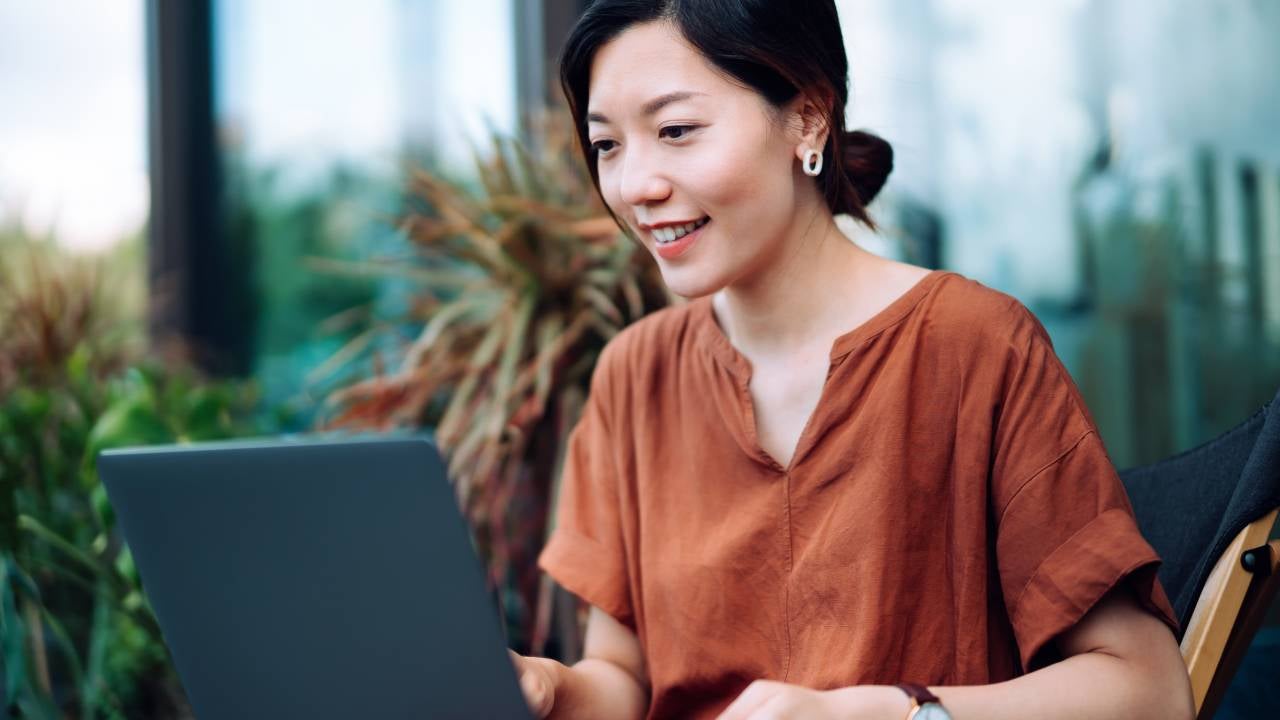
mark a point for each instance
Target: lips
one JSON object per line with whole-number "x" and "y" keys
{"x": 680, "y": 246}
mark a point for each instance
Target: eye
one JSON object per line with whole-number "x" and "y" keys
{"x": 599, "y": 146}
{"x": 683, "y": 130}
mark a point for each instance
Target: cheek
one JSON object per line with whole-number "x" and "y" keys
{"x": 747, "y": 191}
{"x": 750, "y": 191}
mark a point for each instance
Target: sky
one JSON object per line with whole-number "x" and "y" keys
{"x": 302, "y": 82}
{"x": 72, "y": 130}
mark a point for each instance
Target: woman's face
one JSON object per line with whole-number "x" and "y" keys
{"x": 678, "y": 143}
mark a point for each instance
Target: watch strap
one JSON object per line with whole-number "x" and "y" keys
{"x": 920, "y": 696}
{"x": 919, "y": 693}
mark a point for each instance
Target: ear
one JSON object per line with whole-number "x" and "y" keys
{"x": 809, "y": 123}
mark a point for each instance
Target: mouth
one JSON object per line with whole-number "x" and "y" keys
{"x": 672, "y": 242}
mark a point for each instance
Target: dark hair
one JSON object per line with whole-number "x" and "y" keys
{"x": 780, "y": 49}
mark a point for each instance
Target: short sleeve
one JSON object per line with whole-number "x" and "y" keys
{"x": 1065, "y": 529}
{"x": 586, "y": 551}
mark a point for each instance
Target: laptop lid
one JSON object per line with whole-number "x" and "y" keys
{"x": 331, "y": 579}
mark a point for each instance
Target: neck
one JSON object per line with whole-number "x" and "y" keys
{"x": 798, "y": 298}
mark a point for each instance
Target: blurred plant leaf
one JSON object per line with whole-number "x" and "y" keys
{"x": 75, "y": 378}
{"x": 521, "y": 284}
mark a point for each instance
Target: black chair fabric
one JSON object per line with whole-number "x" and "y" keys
{"x": 1191, "y": 505}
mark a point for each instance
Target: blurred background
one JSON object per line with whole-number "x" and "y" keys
{"x": 222, "y": 218}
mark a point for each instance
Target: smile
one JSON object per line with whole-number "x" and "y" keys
{"x": 673, "y": 233}
{"x": 675, "y": 241}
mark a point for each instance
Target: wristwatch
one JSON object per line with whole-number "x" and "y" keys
{"x": 924, "y": 704}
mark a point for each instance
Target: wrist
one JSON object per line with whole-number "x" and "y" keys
{"x": 925, "y": 705}
{"x": 898, "y": 703}
{"x": 881, "y": 702}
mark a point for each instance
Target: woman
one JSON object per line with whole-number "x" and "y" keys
{"x": 829, "y": 476}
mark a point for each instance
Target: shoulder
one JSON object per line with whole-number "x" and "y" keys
{"x": 979, "y": 320}
{"x": 998, "y": 344}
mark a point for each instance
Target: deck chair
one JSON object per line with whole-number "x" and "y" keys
{"x": 1209, "y": 513}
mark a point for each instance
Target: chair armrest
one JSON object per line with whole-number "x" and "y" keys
{"x": 1231, "y": 595}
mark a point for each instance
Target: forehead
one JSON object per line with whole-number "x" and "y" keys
{"x": 645, "y": 61}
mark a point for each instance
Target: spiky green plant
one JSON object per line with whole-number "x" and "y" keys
{"x": 519, "y": 286}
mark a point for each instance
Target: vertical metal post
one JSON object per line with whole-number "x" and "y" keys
{"x": 198, "y": 284}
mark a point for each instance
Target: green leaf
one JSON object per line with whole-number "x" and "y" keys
{"x": 131, "y": 421}
{"x": 102, "y": 507}
{"x": 13, "y": 643}
{"x": 56, "y": 541}
{"x": 78, "y": 364}
{"x": 134, "y": 601}
{"x": 32, "y": 404}
{"x": 99, "y": 637}
{"x": 12, "y": 631}
{"x": 207, "y": 415}
{"x": 9, "y": 536}
{"x": 126, "y": 568}
{"x": 19, "y": 579}
{"x": 63, "y": 641}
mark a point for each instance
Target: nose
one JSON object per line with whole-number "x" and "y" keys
{"x": 640, "y": 181}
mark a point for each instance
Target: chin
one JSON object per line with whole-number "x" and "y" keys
{"x": 691, "y": 282}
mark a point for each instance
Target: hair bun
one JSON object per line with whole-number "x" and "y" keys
{"x": 868, "y": 160}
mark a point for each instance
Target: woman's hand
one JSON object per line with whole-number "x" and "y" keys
{"x": 537, "y": 681}
{"x": 765, "y": 699}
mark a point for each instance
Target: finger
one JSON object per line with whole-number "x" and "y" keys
{"x": 756, "y": 695}
{"x": 536, "y": 694}
{"x": 531, "y": 685}
{"x": 521, "y": 663}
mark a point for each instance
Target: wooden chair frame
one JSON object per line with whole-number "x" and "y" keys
{"x": 1229, "y": 611}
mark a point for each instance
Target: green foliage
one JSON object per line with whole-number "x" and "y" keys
{"x": 283, "y": 220}
{"x": 96, "y": 640}
{"x": 76, "y": 634}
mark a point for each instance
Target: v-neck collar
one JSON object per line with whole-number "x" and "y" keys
{"x": 718, "y": 343}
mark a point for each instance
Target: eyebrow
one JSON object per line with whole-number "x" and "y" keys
{"x": 652, "y": 106}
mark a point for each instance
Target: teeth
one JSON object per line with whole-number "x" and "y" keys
{"x": 675, "y": 232}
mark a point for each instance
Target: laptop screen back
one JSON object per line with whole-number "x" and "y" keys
{"x": 316, "y": 580}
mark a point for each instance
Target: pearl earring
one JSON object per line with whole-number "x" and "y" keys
{"x": 812, "y": 167}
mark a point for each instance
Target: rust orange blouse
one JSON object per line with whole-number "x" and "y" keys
{"x": 948, "y": 511}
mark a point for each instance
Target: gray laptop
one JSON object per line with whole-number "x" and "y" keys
{"x": 313, "y": 579}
